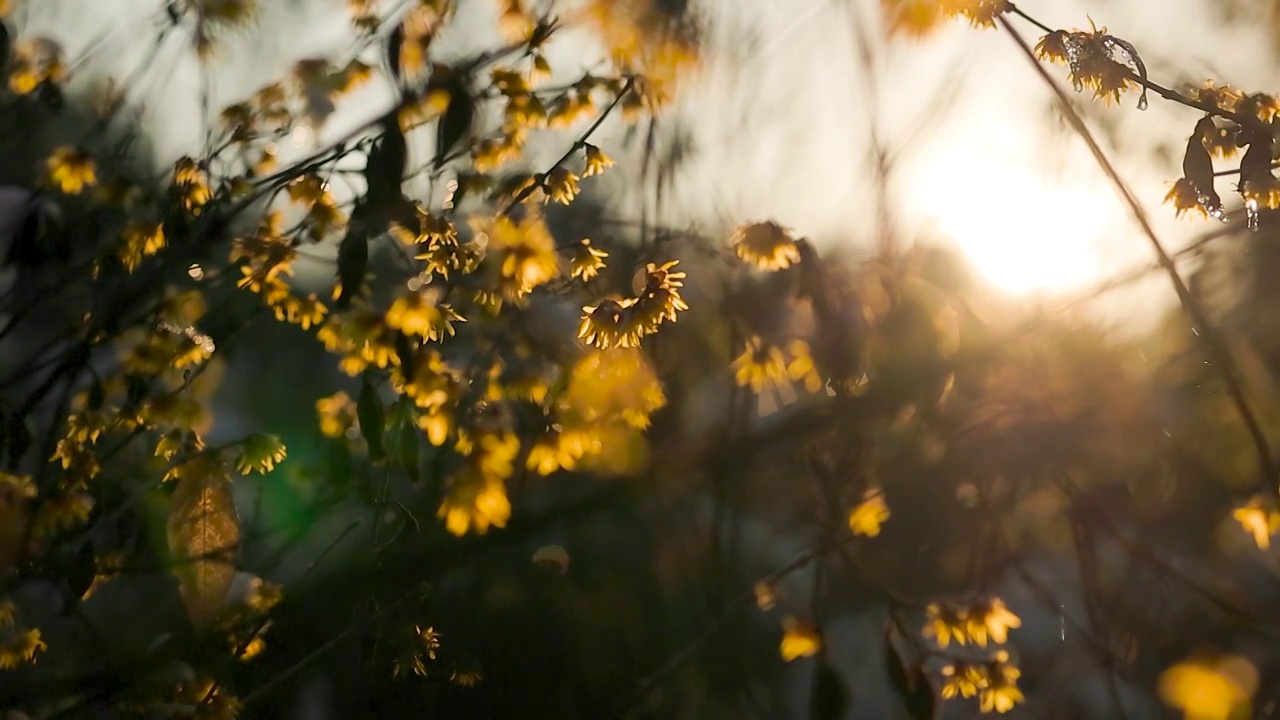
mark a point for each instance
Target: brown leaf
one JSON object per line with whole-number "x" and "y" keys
{"x": 204, "y": 537}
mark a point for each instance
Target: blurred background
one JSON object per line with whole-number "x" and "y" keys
{"x": 1076, "y": 454}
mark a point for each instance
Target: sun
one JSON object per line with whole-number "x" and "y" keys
{"x": 1020, "y": 232}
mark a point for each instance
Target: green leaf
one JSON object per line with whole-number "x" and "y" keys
{"x": 372, "y": 419}
{"x": 204, "y": 538}
{"x": 830, "y": 697}
{"x": 909, "y": 681}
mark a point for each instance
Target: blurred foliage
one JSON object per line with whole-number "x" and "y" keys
{"x": 498, "y": 468}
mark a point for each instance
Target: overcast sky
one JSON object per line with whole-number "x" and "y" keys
{"x": 780, "y": 114}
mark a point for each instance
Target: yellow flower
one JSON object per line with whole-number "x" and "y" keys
{"x": 71, "y": 170}
{"x": 1185, "y": 196}
{"x": 562, "y": 185}
{"x": 866, "y": 518}
{"x": 990, "y": 619}
{"x": 798, "y": 640}
{"x": 610, "y": 324}
{"x": 515, "y": 21}
{"x": 1261, "y": 521}
{"x": 613, "y": 385}
{"x": 587, "y": 260}
{"x": 1001, "y": 693}
{"x": 559, "y": 449}
{"x": 475, "y": 503}
{"x": 35, "y": 61}
{"x": 945, "y": 622}
{"x": 16, "y": 487}
{"x": 660, "y": 300}
{"x": 800, "y": 367}
{"x": 1263, "y": 189}
{"x": 595, "y": 159}
{"x": 525, "y": 253}
{"x": 766, "y": 245}
{"x": 963, "y": 679}
{"x": 525, "y": 110}
{"x": 337, "y": 413}
{"x": 1210, "y": 689}
{"x": 191, "y": 185}
{"x": 466, "y": 678}
{"x": 253, "y": 648}
{"x": 1088, "y": 55}
{"x": 260, "y": 453}
{"x": 492, "y": 153}
{"x": 20, "y": 648}
{"x": 417, "y": 313}
{"x": 760, "y": 366}
{"x": 1225, "y": 97}
{"x": 141, "y": 240}
{"x": 430, "y": 640}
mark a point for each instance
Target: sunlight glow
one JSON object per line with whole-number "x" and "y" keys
{"x": 1021, "y": 233}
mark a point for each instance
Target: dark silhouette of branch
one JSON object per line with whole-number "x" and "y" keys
{"x": 1214, "y": 347}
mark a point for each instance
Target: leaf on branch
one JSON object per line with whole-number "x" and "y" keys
{"x": 384, "y": 171}
{"x": 204, "y": 538}
{"x": 1195, "y": 191}
{"x": 372, "y": 419}
{"x": 455, "y": 125}
{"x": 830, "y": 697}
{"x": 353, "y": 260}
{"x": 909, "y": 681}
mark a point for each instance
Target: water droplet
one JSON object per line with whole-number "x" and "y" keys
{"x": 1142, "y": 100}
{"x": 1212, "y": 207}
{"x": 1251, "y": 211}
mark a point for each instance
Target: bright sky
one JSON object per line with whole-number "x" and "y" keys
{"x": 780, "y": 116}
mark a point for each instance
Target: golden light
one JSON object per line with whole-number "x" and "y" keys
{"x": 1021, "y": 232}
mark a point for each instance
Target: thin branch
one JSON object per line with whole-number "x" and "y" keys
{"x": 578, "y": 144}
{"x": 1164, "y": 92}
{"x": 1217, "y": 351}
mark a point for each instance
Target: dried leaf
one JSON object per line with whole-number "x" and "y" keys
{"x": 204, "y": 538}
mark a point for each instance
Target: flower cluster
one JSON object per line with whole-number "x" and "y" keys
{"x": 623, "y": 322}
{"x": 993, "y": 679}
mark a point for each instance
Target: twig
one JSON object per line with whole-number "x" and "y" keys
{"x": 575, "y": 147}
{"x": 1218, "y": 352}
{"x": 1162, "y": 91}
